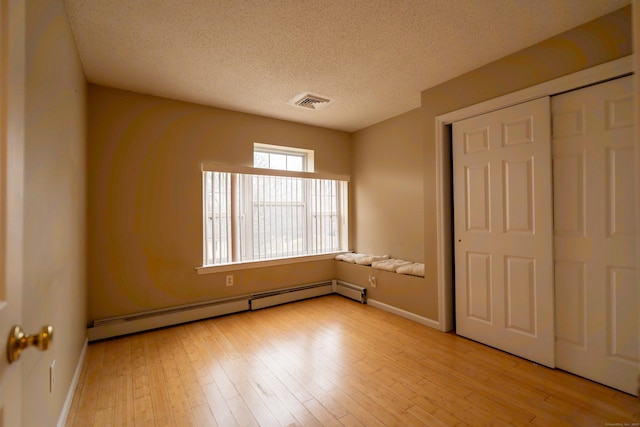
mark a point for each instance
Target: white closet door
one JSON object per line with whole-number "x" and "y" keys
{"x": 595, "y": 232}
{"x": 503, "y": 230}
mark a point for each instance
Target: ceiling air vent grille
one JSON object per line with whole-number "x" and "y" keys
{"x": 311, "y": 102}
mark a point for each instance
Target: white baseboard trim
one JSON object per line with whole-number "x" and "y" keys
{"x": 62, "y": 420}
{"x": 403, "y": 313}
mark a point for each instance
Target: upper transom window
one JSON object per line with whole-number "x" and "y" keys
{"x": 269, "y": 156}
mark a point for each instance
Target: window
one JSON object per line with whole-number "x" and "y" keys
{"x": 282, "y": 158}
{"x": 255, "y": 214}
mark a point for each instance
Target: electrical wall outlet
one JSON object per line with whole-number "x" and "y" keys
{"x": 52, "y": 376}
{"x": 229, "y": 281}
{"x": 372, "y": 281}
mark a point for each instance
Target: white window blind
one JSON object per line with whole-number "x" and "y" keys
{"x": 255, "y": 214}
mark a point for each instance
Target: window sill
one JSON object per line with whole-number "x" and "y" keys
{"x": 209, "y": 269}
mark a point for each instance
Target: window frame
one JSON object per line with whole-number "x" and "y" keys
{"x": 343, "y": 220}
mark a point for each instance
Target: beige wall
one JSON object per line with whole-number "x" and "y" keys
{"x": 387, "y": 172}
{"x": 54, "y": 289}
{"x": 388, "y": 208}
{"x": 388, "y": 188}
{"x": 145, "y": 198}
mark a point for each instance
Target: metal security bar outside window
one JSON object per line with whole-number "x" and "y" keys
{"x": 253, "y": 214}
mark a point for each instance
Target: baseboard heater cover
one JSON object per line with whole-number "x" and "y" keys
{"x": 285, "y": 295}
{"x": 123, "y": 325}
{"x": 352, "y": 291}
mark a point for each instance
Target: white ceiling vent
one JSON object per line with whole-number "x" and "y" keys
{"x": 309, "y": 101}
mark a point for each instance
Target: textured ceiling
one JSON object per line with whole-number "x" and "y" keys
{"x": 372, "y": 58}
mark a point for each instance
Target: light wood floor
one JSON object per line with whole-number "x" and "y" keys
{"x": 327, "y": 361}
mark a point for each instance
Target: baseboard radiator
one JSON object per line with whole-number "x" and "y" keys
{"x": 352, "y": 291}
{"x": 123, "y": 325}
{"x": 283, "y": 296}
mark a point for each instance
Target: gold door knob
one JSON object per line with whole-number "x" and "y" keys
{"x": 18, "y": 341}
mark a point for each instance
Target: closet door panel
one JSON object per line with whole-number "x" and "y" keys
{"x": 503, "y": 230}
{"x": 595, "y": 234}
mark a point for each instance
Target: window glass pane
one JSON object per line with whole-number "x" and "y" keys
{"x": 295, "y": 163}
{"x": 208, "y": 207}
{"x": 260, "y": 159}
{"x": 280, "y": 158}
{"x": 218, "y": 221}
{"x": 277, "y": 161}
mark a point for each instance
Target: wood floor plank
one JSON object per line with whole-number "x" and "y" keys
{"x": 315, "y": 385}
{"x": 143, "y": 411}
{"x": 464, "y": 410}
{"x": 356, "y": 409}
{"x": 218, "y": 405}
{"x": 328, "y": 400}
{"x": 204, "y": 416}
{"x": 289, "y": 381}
{"x": 158, "y": 386}
{"x": 213, "y": 364}
{"x": 84, "y": 400}
{"x": 241, "y": 412}
{"x": 436, "y": 411}
{"x": 303, "y": 416}
{"x": 321, "y": 414}
{"x": 124, "y": 409}
{"x": 103, "y": 418}
{"x": 263, "y": 387}
{"x": 180, "y": 406}
{"x": 502, "y": 409}
{"x": 425, "y": 417}
{"x": 380, "y": 412}
{"x": 380, "y": 394}
{"x": 260, "y": 411}
{"x": 350, "y": 421}
{"x": 327, "y": 361}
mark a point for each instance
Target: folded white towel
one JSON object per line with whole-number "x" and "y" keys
{"x": 414, "y": 269}
{"x": 389, "y": 264}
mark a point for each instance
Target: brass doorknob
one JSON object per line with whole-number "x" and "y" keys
{"x": 18, "y": 341}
